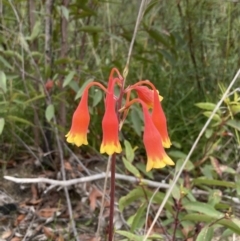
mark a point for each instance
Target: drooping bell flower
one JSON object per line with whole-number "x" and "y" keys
{"x": 156, "y": 155}
{"x": 80, "y": 122}
{"x": 110, "y": 126}
{"x": 159, "y": 120}
{"x": 146, "y": 95}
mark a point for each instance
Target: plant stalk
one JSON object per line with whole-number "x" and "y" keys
{"x": 112, "y": 197}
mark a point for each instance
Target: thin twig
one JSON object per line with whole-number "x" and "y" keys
{"x": 103, "y": 198}
{"x": 176, "y": 218}
{"x": 64, "y": 180}
{"x": 48, "y": 63}
{"x": 26, "y": 146}
{"x": 76, "y": 158}
{"x": 148, "y": 211}
{"x": 110, "y": 31}
{"x": 64, "y": 52}
{"x": 189, "y": 155}
{"x": 139, "y": 17}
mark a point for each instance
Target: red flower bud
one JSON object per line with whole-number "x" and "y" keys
{"x": 110, "y": 126}
{"x": 80, "y": 122}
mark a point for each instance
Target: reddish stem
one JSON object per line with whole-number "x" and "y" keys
{"x": 112, "y": 197}
{"x": 113, "y": 161}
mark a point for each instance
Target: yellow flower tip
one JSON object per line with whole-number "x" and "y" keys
{"x": 168, "y": 161}
{"x": 154, "y": 163}
{"x": 166, "y": 143}
{"x": 159, "y": 163}
{"x": 77, "y": 139}
{"x": 110, "y": 148}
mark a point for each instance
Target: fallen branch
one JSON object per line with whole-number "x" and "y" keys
{"x": 102, "y": 175}
{"x": 95, "y": 177}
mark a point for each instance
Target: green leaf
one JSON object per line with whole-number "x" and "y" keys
{"x": 14, "y": 54}
{"x": 23, "y": 42}
{"x": 206, "y": 234}
{"x": 65, "y": 12}
{"x": 91, "y": 29}
{"x": 129, "y": 151}
{"x": 136, "y": 121}
{"x": 142, "y": 167}
{"x": 129, "y": 166}
{"x": 129, "y": 198}
{"x": 236, "y": 221}
{"x": 176, "y": 191}
{"x": 238, "y": 186}
{"x": 204, "y": 208}
{"x": 177, "y": 145}
{"x": 215, "y": 117}
{"x": 80, "y": 91}
{"x": 95, "y": 37}
{"x": 74, "y": 86}
{"x": 139, "y": 194}
{"x": 206, "y": 106}
{"x": 49, "y": 113}
{"x": 168, "y": 56}
{"x": 234, "y": 124}
{"x": 65, "y": 60}
{"x": 18, "y": 119}
{"x": 159, "y": 37}
{"x": 139, "y": 218}
{"x": 3, "y": 82}
{"x": 177, "y": 154}
{"x": 68, "y": 78}
{"x": 235, "y": 109}
{"x": 2, "y": 123}
{"x": 5, "y": 63}
{"x": 155, "y": 236}
{"x": 97, "y": 97}
{"x": 227, "y": 222}
{"x": 188, "y": 167}
{"x": 151, "y": 5}
{"x": 129, "y": 235}
{"x": 208, "y": 133}
{"x": 207, "y": 171}
{"x": 134, "y": 237}
{"x": 214, "y": 197}
{"x": 212, "y": 182}
{"x": 227, "y": 233}
{"x": 36, "y": 30}
{"x": 38, "y": 97}
{"x": 37, "y": 55}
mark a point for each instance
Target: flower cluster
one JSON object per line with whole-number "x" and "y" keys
{"x": 155, "y": 136}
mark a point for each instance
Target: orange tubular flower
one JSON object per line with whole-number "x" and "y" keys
{"x": 110, "y": 143}
{"x": 80, "y": 122}
{"x": 146, "y": 95}
{"x": 156, "y": 155}
{"x": 159, "y": 120}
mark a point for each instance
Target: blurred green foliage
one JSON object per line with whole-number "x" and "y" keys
{"x": 186, "y": 48}
{"x": 189, "y": 49}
